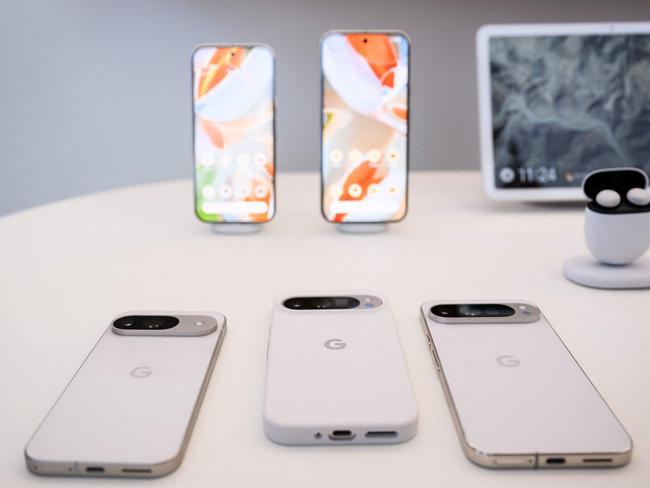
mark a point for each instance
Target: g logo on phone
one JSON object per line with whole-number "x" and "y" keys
{"x": 141, "y": 372}
{"x": 335, "y": 344}
{"x": 508, "y": 361}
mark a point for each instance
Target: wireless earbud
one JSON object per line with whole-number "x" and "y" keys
{"x": 617, "y": 231}
{"x": 638, "y": 196}
{"x": 608, "y": 199}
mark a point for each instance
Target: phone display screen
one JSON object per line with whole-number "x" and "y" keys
{"x": 364, "y": 141}
{"x": 234, "y": 157}
{"x": 566, "y": 105}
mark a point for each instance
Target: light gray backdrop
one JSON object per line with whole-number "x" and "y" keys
{"x": 95, "y": 95}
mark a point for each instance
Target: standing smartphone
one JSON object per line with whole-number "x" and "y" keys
{"x": 364, "y": 126}
{"x": 234, "y": 133}
{"x": 518, "y": 397}
{"x": 336, "y": 374}
{"x": 130, "y": 408}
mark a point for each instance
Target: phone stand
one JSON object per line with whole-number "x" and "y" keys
{"x": 617, "y": 231}
{"x": 251, "y": 228}
{"x": 353, "y": 228}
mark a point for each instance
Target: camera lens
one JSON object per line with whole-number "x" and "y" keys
{"x": 321, "y": 303}
{"x": 472, "y": 310}
{"x": 146, "y": 322}
{"x": 365, "y": 40}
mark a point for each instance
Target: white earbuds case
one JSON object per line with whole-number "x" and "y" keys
{"x": 617, "y": 223}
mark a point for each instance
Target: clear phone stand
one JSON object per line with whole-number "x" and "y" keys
{"x": 251, "y": 228}
{"x": 353, "y": 228}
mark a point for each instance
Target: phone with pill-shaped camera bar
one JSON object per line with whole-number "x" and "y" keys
{"x": 517, "y": 396}
{"x": 233, "y": 100}
{"x": 364, "y": 126}
{"x": 130, "y": 408}
{"x": 336, "y": 374}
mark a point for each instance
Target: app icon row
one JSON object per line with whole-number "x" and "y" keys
{"x": 355, "y": 190}
{"x": 242, "y": 160}
{"x": 225, "y": 192}
{"x": 374, "y": 156}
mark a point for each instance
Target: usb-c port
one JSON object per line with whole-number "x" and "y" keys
{"x": 555, "y": 460}
{"x": 341, "y": 435}
{"x": 94, "y": 469}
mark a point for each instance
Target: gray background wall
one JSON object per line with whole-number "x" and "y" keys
{"x": 96, "y": 95}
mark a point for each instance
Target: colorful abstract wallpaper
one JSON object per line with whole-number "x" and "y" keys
{"x": 365, "y": 126}
{"x": 234, "y": 133}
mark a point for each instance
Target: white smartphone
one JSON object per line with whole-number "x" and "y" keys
{"x": 336, "y": 373}
{"x": 364, "y": 126}
{"x": 518, "y": 397}
{"x": 233, "y": 99}
{"x": 130, "y": 408}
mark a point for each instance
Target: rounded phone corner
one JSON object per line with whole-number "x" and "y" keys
{"x": 31, "y": 463}
{"x": 199, "y": 216}
{"x": 409, "y": 428}
{"x": 404, "y": 35}
{"x": 324, "y": 215}
{"x": 196, "y": 48}
{"x": 625, "y": 457}
{"x": 268, "y": 47}
{"x": 163, "y": 468}
{"x": 327, "y": 34}
{"x": 275, "y": 431}
{"x": 478, "y": 456}
{"x": 272, "y": 215}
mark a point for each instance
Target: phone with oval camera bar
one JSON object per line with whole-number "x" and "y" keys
{"x": 335, "y": 373}
{"x": 517, "y": 396}
{"x": 130, "y": 408}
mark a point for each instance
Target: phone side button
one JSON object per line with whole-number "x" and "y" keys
{"x": 433, "y": 355}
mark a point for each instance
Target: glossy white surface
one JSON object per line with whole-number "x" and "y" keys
{"x": 70, "y": 266}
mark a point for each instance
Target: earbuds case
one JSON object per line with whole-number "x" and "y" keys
{"x": 617, "y": 221}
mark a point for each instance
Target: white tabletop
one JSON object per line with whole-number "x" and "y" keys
{"x": 67, "y": 268}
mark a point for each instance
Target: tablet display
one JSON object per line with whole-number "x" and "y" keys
{"x": 565, "y": 105}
